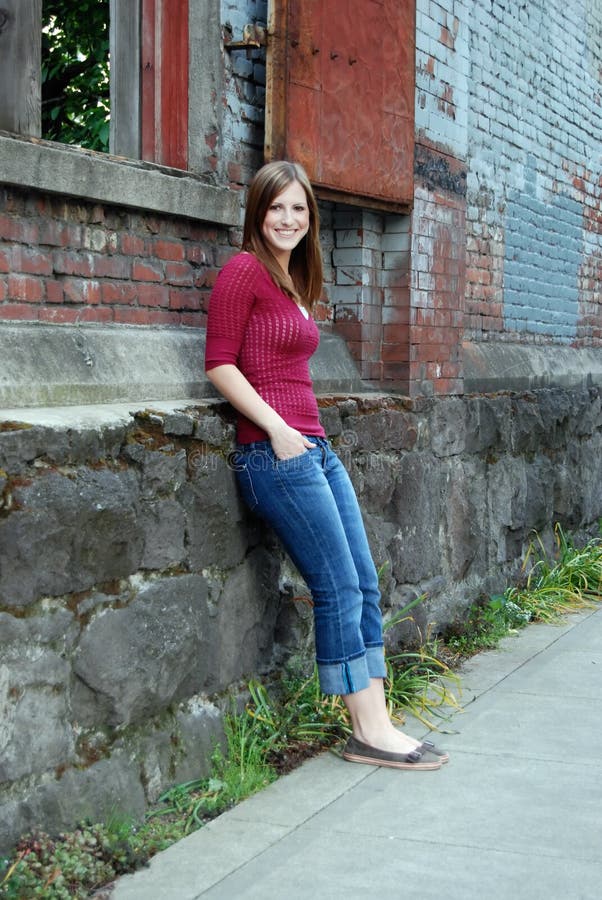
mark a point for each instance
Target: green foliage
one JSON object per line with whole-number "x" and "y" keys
{"x": 241, "y": 772}
{"x": 70, "y": 866}
{"x": 292, "y": 720}
{"x": 551, "y": 587}
{"x": 75, "y": 72}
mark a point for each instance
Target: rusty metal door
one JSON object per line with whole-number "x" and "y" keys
{"x": 340, "y": 96}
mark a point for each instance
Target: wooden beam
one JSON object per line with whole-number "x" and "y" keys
{"x": 20, "y": 66}
{"x": 125, "y": 138}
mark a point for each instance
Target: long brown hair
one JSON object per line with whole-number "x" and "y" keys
{"x": 304, "y": 279}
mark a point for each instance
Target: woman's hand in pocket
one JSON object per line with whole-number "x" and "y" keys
{"x": 287, "y": 442}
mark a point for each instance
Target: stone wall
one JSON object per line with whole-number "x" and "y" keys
{"x": 136, "y": 593}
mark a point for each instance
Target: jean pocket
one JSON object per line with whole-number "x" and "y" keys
{"x": 301, "y": 461}
{"x": 245, "y": 484}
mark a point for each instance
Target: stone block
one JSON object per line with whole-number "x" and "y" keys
{"x": 68, "y": 532}
{"x": 58, "y": 445}
{"x": 215, "y": 513}
{"x": 294, "y": 626}
{"x": 448, "y": 427}
{"x": 464, "y": 489}
{"x": 178, "y": 423}
{"x": 244, "y": 616}
{"x": 110, "y": 788}
{"x": 214, "y": 431}
{"x": 34, "y": 732}
{"x": 157, "y": 650}
{"x": 416, "y": 510}
{"x": 163, "y": 527}
{"x": 330, "y": 418}
{"x": 163, "y": 472}
{"x": 379, "y": 431}
{"x": 487, "y": 424}
{"x": 199, "y": 731}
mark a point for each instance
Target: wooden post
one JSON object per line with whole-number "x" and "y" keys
{"x": 20, "y": 65}
{"x": 125, "y": 78}
{"x": 164, "y": 113}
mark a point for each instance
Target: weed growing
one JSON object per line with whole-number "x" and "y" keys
{"x": 549, "y": 588}
{"x": 291, "y": 720}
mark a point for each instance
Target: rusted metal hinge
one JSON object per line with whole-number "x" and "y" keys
{"x": 253, "y": 36}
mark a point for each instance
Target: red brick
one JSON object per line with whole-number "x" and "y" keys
{"x": 72, "y": 263}
{"x": 446, "y": 386}
{"x": 5, "y": 260}
{"x": 235, "y": 172}
{"x": 82, "y": 290}
{"x": 119, "y": 292}
{"x": 152, "y": 295}
{"x": 350, "y": 330}
{"x": 132, "y": 245}
{"x": 223, "y": 254}
{"x": 25, "y": 287}
{"x": 58, "y": 314}
{"x": 422, "y": 316}
{"x": 20, "y": 311}
{"x": 3, "y": 288}
{"x": 54, "y": 291}
{"x": 184, "y": 300}
{"x": 147, "y": 272}
{"x": 179, "y": 273}
{"x": 196, "y": 254}
{"x": 19, "y": 230}
{"x": 110, "y": 266}
{"x": 451, "y": 370}
{"x": 59, "y": 234}
{"x": 395, "y": 353}
{"x": 168, "y": 250}
{"x": 396, "y": 315}
{"x": 30, "y": 261}
{"x": 396, "y": 371}
{"x": 396, "y": 334}
{"x": 96, "y": 314}
{"x": 205, "y": 278}
{"x": 194, "y": 319}
{"x": 430, "y": 352}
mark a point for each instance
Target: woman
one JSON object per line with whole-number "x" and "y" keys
{"x": 260, "y": 336}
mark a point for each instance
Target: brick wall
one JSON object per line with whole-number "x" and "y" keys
{"x": 244, "y": 98}
{"x": 533, "y": 204}
{"x": 503, "y": 242}
{"x": 508, "y": 95}
{"x": 65, "y": 261}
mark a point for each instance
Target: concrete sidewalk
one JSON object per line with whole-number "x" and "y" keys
{"x": 515, "y": 815}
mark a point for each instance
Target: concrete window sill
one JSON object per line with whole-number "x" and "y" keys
{"x": 85, "y": 174}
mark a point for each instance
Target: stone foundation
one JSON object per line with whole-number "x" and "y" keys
{"x": 136, "y": 593}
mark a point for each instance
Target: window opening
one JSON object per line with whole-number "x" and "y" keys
{"x": 75, "y": 72}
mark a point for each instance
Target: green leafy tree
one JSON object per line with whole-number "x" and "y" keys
{"x": 75, "y": 72}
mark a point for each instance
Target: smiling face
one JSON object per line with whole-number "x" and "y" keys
{"x": 286, "y": 222}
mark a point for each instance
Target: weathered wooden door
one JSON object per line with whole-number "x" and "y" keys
{"x": 341, "y": 96}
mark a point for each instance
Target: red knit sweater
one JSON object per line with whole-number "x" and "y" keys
{"x": 256, "y": 327}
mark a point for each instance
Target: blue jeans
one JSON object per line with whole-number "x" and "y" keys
{"x": 310, "y": 503}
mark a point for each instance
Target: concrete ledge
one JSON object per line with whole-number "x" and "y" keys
{"x": 491, "y": 367}
{"x": 64, "y": 365}
{"x": 60, "y": 169}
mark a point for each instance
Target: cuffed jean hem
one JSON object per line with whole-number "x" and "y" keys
{"x": 352, "y": 675}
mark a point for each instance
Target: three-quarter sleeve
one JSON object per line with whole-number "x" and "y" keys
{"x": 230, "y": 305}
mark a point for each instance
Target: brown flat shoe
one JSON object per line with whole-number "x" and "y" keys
{"x": 357, "y": 751}
{"x": 429, "y": 747}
